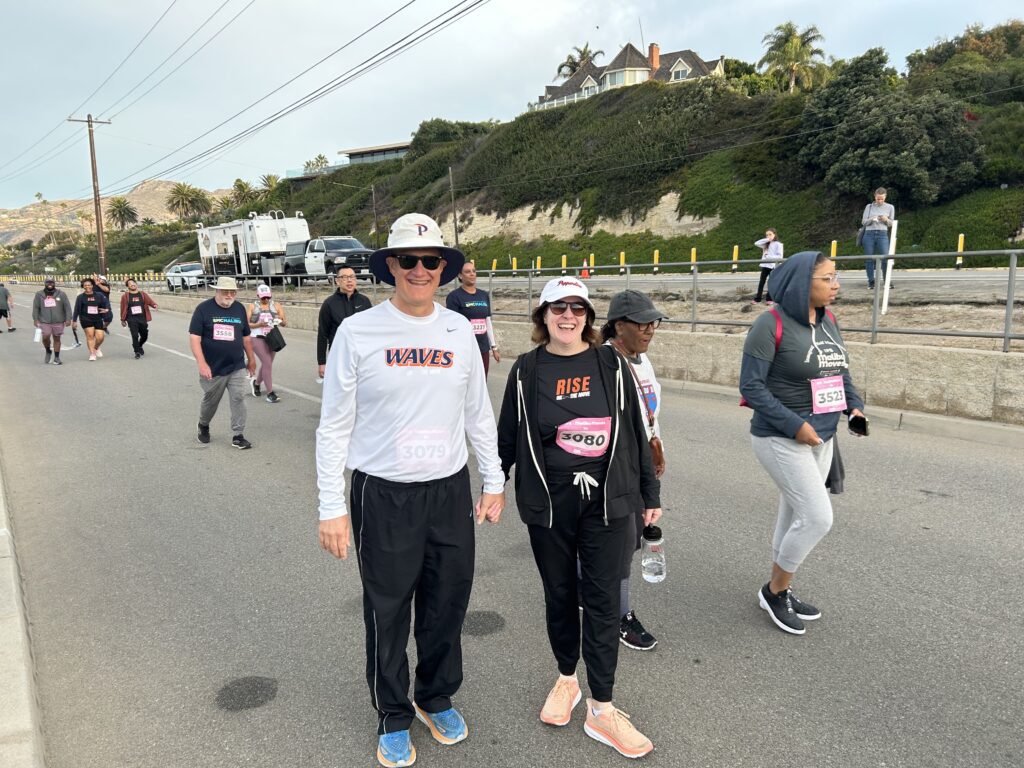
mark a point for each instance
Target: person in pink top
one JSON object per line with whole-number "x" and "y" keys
{"x": 264, "y": 315}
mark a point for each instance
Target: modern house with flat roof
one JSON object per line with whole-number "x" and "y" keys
{"x": 376, "y": 154}
{"x": 630, "y": 67}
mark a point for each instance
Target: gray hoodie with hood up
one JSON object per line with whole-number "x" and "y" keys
{"x": 777, "y": 384}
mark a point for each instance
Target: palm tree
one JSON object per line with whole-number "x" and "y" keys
{"x": 577, "y": 58}
{"x": 225, "y": 204}
{"x": 242, "y": 192}
{"x": 791, "y": 54}
{"x": 121, "y": 213}
{"x": 148, "y": 222}
{"x": 179, "y": 200}
{"x": 200, "y": 202}
{"x": 318, "y": 163}
{"x": 268, "y": 182}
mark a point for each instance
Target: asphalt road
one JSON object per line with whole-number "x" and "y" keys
{"x": 159, "y": 573}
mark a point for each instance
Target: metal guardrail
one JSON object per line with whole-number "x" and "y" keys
{"x": 678, "y": 269}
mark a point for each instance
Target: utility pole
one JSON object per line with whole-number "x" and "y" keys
{"x": 455, "y": 213}
{"x": 100, "y": 245}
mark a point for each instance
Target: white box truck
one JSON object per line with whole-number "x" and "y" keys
{"x": 253, "y": 246}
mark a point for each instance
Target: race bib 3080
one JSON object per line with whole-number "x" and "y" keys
{"x": 585, "y": 437}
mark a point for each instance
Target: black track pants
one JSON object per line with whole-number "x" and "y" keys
{"x": 140, "y": 333}
{"x": 579, "y": 530}
{"x": 414, "y": 541}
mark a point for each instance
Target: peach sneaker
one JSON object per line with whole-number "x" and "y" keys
{"x": 561, "y": 701}
{"x": 612, "y": 727}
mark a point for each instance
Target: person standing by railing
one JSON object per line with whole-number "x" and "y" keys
{"x": 771, "y": 257}
{"x": 475, "y": 305}
{"x": 795, "y": 375}
{"x": 877, "y": 220}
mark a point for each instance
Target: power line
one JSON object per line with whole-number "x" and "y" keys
{"x": 169, "y": 57}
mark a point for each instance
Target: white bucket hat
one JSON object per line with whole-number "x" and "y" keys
{"x": 225, "y": 284}
{"x": 562, "y": 287}
{"x": 415, "y": 230}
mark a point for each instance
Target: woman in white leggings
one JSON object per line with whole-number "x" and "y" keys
{"x": 795, "y": 375}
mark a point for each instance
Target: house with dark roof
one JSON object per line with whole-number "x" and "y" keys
{"x": 630, "y": 67}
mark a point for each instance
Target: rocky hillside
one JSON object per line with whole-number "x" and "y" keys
{"x": 34, "y": 221}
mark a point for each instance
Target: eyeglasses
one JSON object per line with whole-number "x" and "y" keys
{"x": 651, "y": 326}
{"x": 559, "y": 307}
{"x": 833, "y": 279}
{"x": 344, "y": 277}
{"x": 430, "y": 263}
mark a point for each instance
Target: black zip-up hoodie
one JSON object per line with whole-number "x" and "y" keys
{"x": 630, "y": 483}
{"x": 333, "y": 312}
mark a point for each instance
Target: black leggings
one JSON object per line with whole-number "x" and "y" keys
{"x": 140, "y": 333}
{"x": 765, "y": 272}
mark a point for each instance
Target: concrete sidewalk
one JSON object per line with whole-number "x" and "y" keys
{"x": 21, "y": 744}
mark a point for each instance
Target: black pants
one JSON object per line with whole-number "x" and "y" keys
{"x": 140, "y": 333}
{"x": 765, "y": 272}
{"x": 579, "y": 530}
{"x": 414, "y": 541}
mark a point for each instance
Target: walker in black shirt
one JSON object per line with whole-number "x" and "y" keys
{"x": 222, "y": 331}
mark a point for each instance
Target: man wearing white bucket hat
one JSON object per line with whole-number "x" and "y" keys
{"x": 403, "y": 388}
{"x": 221, "y": 344}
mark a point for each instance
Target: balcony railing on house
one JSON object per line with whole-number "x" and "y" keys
{"x": 571, "y": 98}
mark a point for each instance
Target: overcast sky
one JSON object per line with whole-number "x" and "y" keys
{"x": 490, "y": 64}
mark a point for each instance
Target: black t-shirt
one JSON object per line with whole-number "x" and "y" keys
{"x": 476, "y": 307}
{"x": 573, "y": 413}
{"x": 136, "y": 315}
{"x": 92, "y": 309}
{"x": 222, "y": 331}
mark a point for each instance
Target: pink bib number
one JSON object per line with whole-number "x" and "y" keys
{"x": 223, "y": 332}
{"x": 136, "y": 309}
{"x": 585, "y": 437}
{"x": 828, "y": 394}
{"x": 479, "y": 326}
{"x": 49, "y": 302}
{"x": 92, "y": 310}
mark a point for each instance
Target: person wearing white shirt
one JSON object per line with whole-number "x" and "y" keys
{"x": 771, "y": 257}
{"x": 403, "y": 388}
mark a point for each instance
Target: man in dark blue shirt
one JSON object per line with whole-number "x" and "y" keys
{"x": 475, "y": 305}
{"x": 221, "y": 345}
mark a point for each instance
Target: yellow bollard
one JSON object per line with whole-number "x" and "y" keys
{"x": 657, "y": 255}
{"x": 693, "y": 260}
{"x": 835, "y": 248}
{"x": 735, "y": 258}
{"x": 564, "y": 268}
{"x": 494, "y": 266}
{"x": 622, "y": 262}
{"x": 538, "y": 266}
{"x": 959, "y": 251}
{"x": 515, "y": 266}
{"x": 593, "y": 265}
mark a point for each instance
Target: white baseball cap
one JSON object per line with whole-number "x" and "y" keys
{"x": 415, "y": 230}
{"x": 263, "y": 290}
{"x": 562, "y": 287}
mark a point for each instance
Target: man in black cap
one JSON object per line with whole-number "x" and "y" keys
{"x": 632, "y": 321}
{"x": 51, "y": 313}
{"x": 403, "y": 388}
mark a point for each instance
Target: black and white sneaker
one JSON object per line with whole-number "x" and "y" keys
{"x": 46, "y": 358}
{"x": 272, "y": 397}
{"x": 241, "y": 443}
{"x": 204, "y": 434}
{"x": 56, "y": 360}
{"x": 780, "y": 608}
{"x": 805, "y": 611}
{"x": 633, "y": 635}
{"x": 255, "y": 387}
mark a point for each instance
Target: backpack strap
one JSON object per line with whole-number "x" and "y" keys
{"x": 778, "y": 328}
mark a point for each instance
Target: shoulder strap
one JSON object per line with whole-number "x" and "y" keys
{"x": 778, "y": 328}
{"x": 647, "y": 406}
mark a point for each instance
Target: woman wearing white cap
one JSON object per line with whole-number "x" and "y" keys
{"x": 264, "y": 315}
{"x": 570, "y": 423}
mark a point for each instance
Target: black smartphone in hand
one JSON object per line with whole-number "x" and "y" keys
{"x": 858, "y": 426}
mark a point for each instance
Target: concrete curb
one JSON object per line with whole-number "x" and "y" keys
{"x": 988, "y": 432}
{"x": 21, "y": 742}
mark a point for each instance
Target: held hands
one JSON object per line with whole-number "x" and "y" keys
{"x": 808, "y": 436}
{"x": 334, "y": 536}
{"x": 651, "y": 516}
{"x": 490, "y": 506}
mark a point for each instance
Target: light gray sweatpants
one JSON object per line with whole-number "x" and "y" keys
{"x": 213, "y": 391}
{"x": 805, "y": 510}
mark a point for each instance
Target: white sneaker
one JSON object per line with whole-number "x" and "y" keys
{"x": 92, "y": 358}
{"x": 99, "y": 353}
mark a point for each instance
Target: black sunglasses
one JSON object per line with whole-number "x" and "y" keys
{"x": 558, "y": 307}
{"x": 430, "y": 263}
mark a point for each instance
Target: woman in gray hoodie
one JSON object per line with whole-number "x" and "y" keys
{"x": 795, "y": 375}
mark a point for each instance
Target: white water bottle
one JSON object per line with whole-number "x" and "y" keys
{"x": 652, "y": 555}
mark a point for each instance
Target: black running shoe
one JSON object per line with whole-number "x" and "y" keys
{"x": 255, "y": 387}
{"x": 805, "y": 611}
{"x": 138, "y": 356}
{"x": 272, "y": 397}
{"x": 56, "y": 360}
{"x": 46, "y": 358}
{"x": 241, "y": 443}
{"x": 142, "y": 351}
{"x": 780, "y": 608}
{"x": 11, "y": 330}
{"x": 204, "y": 434}
{"x": 633, "y": 635}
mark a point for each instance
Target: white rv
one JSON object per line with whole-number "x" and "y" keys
{"x": 253, "y": 246}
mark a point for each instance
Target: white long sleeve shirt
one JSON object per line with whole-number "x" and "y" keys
{"x": 771, "y": 252}
{"x": 401, "y": 394}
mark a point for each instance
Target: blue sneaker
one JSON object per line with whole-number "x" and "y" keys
{"x": 395, "y": 749}
{"x": 446, "y": 727}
